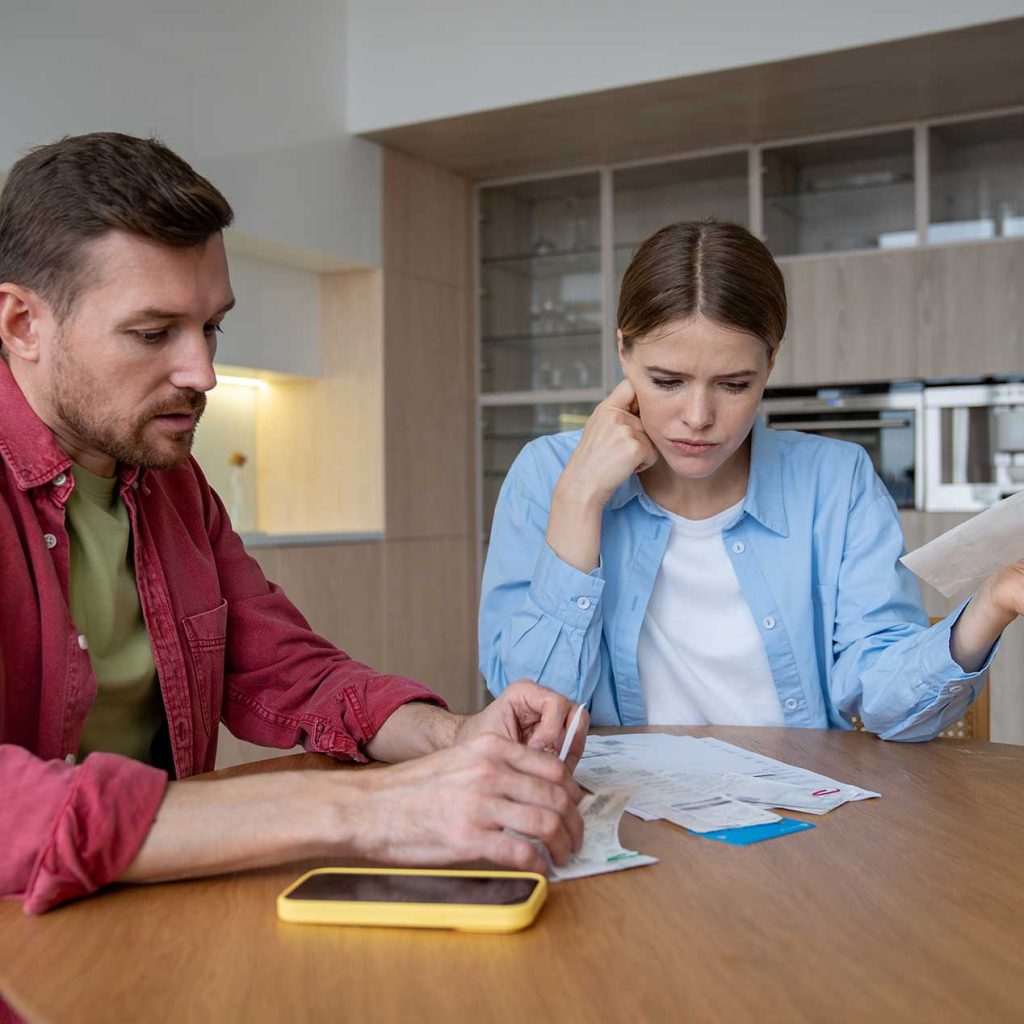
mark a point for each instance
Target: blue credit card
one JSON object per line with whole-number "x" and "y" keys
{"x": 755, "y": 833}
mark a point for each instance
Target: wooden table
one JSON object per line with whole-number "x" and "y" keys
{"x": 906, "y": 908}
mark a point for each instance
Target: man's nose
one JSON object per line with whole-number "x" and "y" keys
{"x": 194, "y": 367}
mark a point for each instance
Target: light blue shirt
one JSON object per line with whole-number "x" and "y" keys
{"x": 816, "y": 552}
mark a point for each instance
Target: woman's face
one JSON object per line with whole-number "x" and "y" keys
{"x": 698, "y": 385}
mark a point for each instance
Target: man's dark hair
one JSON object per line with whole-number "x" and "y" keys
{"x": 60, "y": 197}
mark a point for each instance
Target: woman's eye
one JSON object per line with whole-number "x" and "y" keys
{"x": 664, "y": 383}
{"x": 736, "y": 385}
{"x": 213, "y": 329}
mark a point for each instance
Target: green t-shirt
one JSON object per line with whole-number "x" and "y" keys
{"x": 128, "y": 714}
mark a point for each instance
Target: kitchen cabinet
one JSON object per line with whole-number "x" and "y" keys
{"x": 541, "y": 316}
{"x": 840, "y": 194}
{"x": 976, "y": 179}
{"x": 878, "y": 289}
{"x": 648, "y": 197}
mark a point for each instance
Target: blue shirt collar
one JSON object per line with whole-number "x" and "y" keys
{"x": 764, "y": 500}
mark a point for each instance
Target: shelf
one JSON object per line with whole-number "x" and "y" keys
{"x": 790, "y": 202}
{"x": 522, "y": 435}
{"x": 553, "y": 264}
{"x": 590, "y": 333}
{"x": 576, "y": 396}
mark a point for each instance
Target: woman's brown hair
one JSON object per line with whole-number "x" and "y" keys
{"x": 706, "y": 268}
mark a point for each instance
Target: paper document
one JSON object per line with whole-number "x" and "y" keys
{"x": 962, "y": 557}
{"x": 601, "y": 850}
{"x": 706, "y": 785}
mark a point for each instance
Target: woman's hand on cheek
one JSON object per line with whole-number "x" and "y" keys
{"x": 613, "y": 447}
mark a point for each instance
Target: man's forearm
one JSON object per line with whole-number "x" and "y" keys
{"x": 413, "y": 730}
{"x": 211, "y": 827}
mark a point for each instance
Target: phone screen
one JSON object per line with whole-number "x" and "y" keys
{"x": 415, "y": 889}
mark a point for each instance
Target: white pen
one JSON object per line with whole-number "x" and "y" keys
{"x": 570, "y": 733}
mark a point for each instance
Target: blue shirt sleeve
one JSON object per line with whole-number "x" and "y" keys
{"x": 540, "y": 618}
{"x": 890, "y": 667}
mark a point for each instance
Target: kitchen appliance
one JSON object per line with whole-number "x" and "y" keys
{"x": 884, "y": 418}
{"x": 974, "y": 444}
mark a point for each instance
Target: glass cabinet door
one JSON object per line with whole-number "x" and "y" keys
{"x": 840, "y": 194}
{"x": 651, "y": 197}
{"x": 977, "y": 179}
{"x": 540, "y": 285}
{"x": 507, "y": 428}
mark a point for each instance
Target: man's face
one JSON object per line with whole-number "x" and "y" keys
{"x": 124, "y": 377}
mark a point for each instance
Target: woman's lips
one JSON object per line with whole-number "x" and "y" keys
{"x": 693, "y": 447}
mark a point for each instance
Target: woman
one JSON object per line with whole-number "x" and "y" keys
{"x": 678, "y": 562}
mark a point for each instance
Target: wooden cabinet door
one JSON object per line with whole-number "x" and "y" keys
{"x": 851, "y": 318}
{"x": 973, "y": 310}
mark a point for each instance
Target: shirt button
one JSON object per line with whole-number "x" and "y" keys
{"x": 768, "y": 622}
{"x": 49, "y": 540}
{"x": 955, "y": 688}
{"x": 60, "y": 480}
{"x": 83, "y": 642}
{"x": 791, "y": 704}
{"x": 583, "y": 603}
{"x": 739, "y": 547}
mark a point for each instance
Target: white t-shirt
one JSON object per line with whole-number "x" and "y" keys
{"x": 700, "y": 655}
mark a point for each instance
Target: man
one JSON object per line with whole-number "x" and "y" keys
{"x": 131, "y": 618}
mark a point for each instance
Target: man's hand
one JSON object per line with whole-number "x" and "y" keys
{"x": 530, "y": 714}
{"x": 455, "y": 805}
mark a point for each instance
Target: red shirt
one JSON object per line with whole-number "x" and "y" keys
{"x": 228, "y": 646}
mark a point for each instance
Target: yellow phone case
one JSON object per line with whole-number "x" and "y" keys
{"x": 467, "y": 917}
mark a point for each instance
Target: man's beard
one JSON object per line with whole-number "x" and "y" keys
{"x": 78, "y": 401}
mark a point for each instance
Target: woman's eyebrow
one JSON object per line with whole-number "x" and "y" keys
{"x": 661, "y": 371}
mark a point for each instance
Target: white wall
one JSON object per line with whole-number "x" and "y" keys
{"x": 250, "y": 91}
{"x": 276, "y": 323}
{"x": 411, "y": 60}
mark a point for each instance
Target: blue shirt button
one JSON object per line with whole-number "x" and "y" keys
{"x": 583, "y": 603}
{"x": 791, "y": 704}
{"x": 739, "y": 547}
{"x": 768, "y": 622}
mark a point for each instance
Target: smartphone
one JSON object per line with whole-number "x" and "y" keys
{"x": 474, "y": 901}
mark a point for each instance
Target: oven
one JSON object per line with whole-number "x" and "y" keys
{"x": 884, "y": 419}
{"x": 974, "y": 444}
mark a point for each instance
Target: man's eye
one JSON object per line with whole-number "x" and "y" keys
{"x": 151, "y": 337}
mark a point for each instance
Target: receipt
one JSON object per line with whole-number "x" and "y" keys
{"x": 701, "y": 804}
{"x": 601, "y": 851}
{"x": 965, "y": 555}
{"x": 706, "y": 785}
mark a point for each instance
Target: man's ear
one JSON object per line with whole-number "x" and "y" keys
{"x": 21, "y": 313}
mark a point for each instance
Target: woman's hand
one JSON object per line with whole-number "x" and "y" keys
{"x": 999, "y": 600}
{"x": 613, "y": 447}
